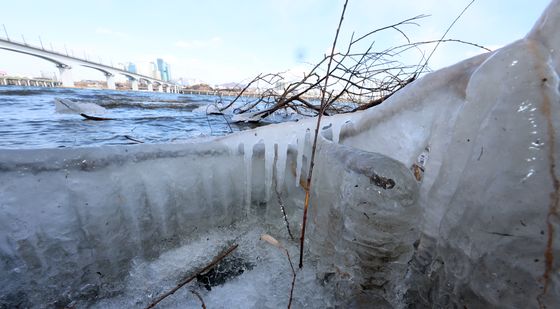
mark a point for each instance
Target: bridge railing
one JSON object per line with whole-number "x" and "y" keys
{"x": 42, "y": 47}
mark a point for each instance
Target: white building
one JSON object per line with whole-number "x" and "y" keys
{"x": 148, "y": 69}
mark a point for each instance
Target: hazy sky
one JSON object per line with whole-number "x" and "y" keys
{"x": 223, "y": 41}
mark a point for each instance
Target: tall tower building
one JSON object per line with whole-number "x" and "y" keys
{"x": 131, "y": 67}
{"x": 154, "y": 70}
{"x": 163, "y": 69}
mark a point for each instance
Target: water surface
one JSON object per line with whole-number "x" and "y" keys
{"x": 29, "y": 119}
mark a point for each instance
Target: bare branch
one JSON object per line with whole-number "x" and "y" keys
{"x": 357, "y": 78}
{"x": 314, "y": 148}
{"x": 210, "y": 265}
{"x": 445, "y": 33}
{"x": 195, "y": 293}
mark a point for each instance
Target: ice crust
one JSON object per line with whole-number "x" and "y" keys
{"x": 445, "y": 196}
{"x": 66, "y": 106}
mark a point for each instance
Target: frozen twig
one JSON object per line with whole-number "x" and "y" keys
{"x": 133, "y": 139}
{"x": 284, "y": 213}
{"x": 271, "y": 240}
{"x": 278, "y": 196}
{"x": 324, "y": 105}
{"x": 445, "y": 34}
{"x": 195, "y": 293}
{"x": 210, "y": 265}
{"x": 357, "y": 78}
{"x": 215, "y": 105}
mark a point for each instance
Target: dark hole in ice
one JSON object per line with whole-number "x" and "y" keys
{"x": 327, "y": 278}
{"x": 229, "y": 268}
{"x": 383, "y": 182}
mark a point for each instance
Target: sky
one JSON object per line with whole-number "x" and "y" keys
{"x": 232, "y": 41}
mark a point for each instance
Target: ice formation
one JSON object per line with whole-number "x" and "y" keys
{"x": 247, "y": 117}
{"x": 447, "y": 195}
{"x": 66, "y": 106}
{"x": 211, "y": 109}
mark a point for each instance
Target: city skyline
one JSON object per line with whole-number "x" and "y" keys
{"x": 225, "y": 42}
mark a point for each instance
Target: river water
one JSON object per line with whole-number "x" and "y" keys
{"x": 29, "y": 119}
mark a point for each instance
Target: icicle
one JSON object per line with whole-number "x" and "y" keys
{"x": 335, "y": 127}
{"x": 301, "y": 141}
{"x": 268, "y": 165}
{"x": 281, "y": 165}
{"x": 248, "y": 160}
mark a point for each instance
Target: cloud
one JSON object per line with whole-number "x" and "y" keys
{"x": 191, "y": 44}
{"x": 107, "y": 31}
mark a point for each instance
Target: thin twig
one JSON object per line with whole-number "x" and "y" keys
{"x": 444, "y": 34}
{"x": 211, "y": 265}
{"x": 241, "y": 92}
{"x": 278, "y": 196}
{"x": 294, "y": 274}
{"x": 358, "y": 78}
{"x": 271, "y": 240}
{"x": 133, "y": 139}
{"x": 408, "y": 21}
{"x": 284, "y": 214}
{"x": 208, "y": 120}
{"x": 199, "y": 298}
{"x": 229, "y": 126}
{"x": 221, "y": 113}
{"x": 314, "y": 148}
{"x": 382, "y": 99}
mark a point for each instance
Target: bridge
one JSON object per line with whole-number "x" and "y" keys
{"x": 65, "y": 62}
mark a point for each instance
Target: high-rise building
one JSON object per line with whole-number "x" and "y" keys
{"x": 155, "y": 71}
{"x": 163, "y": 69}
{"x": 158, "y": 69}
{"x": 142, "y": 68}
{"x": 131, "y": 67}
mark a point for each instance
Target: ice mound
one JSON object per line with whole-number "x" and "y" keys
{"x": 210, "y": 109}
{"x": 66, "y": 106}
{"x": 446, "y": 196}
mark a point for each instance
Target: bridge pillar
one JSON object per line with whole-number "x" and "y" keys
{"x": 65, "y": 75}
{"x": 160, "y": 88}
{"x": 134, "y": 84}
{"x": 150, "y": 86}
{"x": 110, "y": 81}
